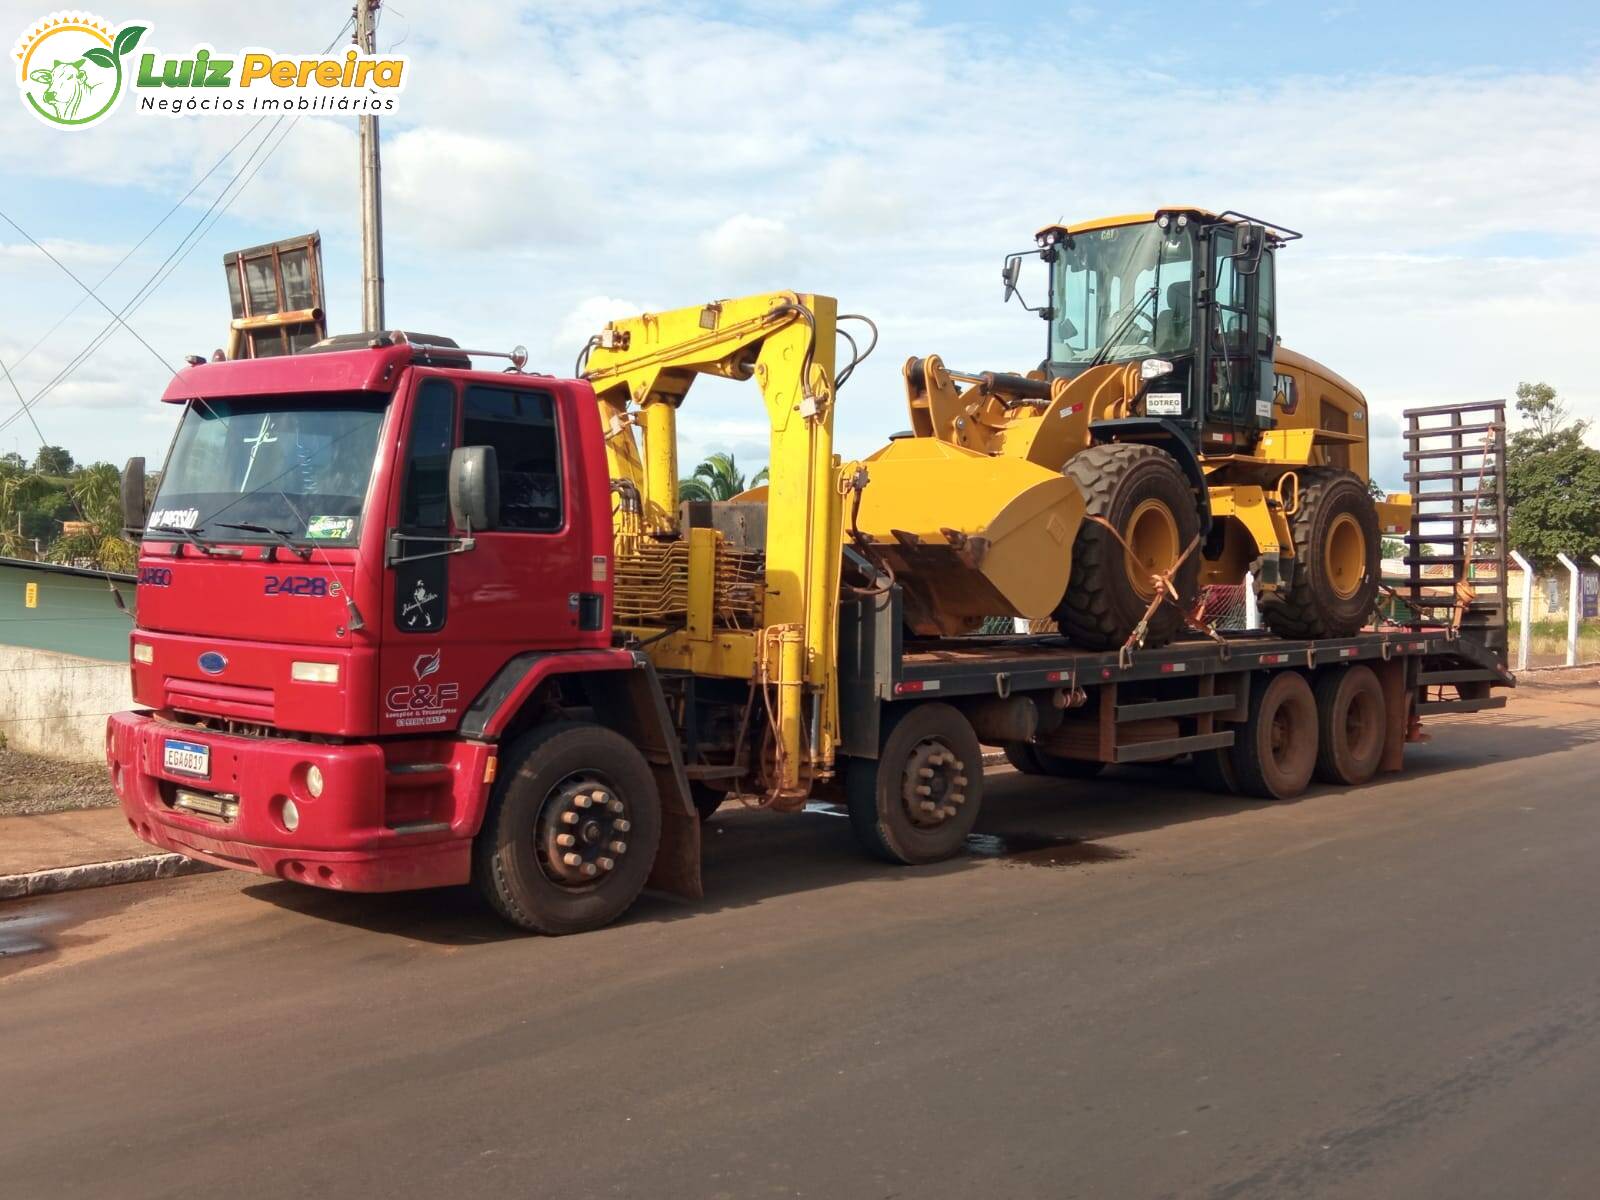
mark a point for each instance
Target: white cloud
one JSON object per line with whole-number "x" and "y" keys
{"x": 681, "y": 153}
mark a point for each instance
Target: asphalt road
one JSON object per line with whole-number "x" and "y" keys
{"x": 1386, "y": 992}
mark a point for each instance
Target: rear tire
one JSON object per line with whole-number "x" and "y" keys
{"x": 1214, "y": 771}
{"x": 1350, "y": 724}
{"x": 887, "y": 811}
{"x": 1275, "y": 750}
{"x": 1331, "y": 587}
{"x": 1031, "y": 760}
{"x": 1141, "y": 491}
{"x": 519, "y": 860}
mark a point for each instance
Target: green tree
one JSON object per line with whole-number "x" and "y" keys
{"x": 718, "y": 478}
{"x": 1552, "y": 480}
{"x": 96, "y": 501}
{"x": 53, "y": 460}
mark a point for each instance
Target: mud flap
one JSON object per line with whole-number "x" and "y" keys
{"x": 632, "y": 703}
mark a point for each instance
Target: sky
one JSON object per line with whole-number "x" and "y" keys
{"x": 552, "y": 165}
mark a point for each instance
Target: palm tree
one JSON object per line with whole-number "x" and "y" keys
{"x": 718, "y": 478}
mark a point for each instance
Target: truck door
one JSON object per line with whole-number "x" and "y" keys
{"x": 454, "y": 615}
{"x": 1239, "y": 339}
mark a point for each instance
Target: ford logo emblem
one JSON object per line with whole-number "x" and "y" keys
{"x": 212, "y": 663}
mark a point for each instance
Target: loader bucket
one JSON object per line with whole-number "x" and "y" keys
{"x": 968, "y": 535}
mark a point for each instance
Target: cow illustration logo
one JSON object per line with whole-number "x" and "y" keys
{"x": 72, "y": 67}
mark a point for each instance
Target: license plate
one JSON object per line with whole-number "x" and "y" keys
{"x": 1163, "y": 404}
{"x": 186, "y": 758}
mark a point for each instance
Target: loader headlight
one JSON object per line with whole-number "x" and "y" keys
{"x": 1154, "y": 368}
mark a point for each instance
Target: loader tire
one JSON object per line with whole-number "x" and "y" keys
{"x": 1143, "y": 493}
{"x": 1331, "y": 587}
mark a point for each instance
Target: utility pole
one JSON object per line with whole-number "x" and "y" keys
{"x": 371, "y": 190}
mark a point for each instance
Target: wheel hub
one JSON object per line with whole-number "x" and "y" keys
{"x": 1152, "y": 545}
{"x": 935, "y": 784}
{"x": 1346, "y": 555}
{"x": 582, "y": 831}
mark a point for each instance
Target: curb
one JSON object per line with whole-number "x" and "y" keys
{"x": 100, "y": 874}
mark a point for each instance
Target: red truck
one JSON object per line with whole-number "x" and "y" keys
{"x": 375, "y": 651}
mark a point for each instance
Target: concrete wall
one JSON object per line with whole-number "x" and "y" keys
{"x": 57, "y": 704}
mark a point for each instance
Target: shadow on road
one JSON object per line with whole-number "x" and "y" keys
{"x": 750, "y": 857}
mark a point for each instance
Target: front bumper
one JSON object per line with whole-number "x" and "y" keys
{"x": 391, "y": 817}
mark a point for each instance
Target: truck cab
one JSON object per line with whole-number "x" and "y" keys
{"x": 352, "y": 561}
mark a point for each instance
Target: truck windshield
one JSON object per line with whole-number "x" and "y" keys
{"x": 298, "y": 466}
{"x": 1122, "y": 293}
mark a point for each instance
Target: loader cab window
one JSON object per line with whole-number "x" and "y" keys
{"x": 1122, "y": 293}
{"x": 521, "y": 426}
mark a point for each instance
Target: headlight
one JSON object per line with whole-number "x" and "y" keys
{"x": 314, "y": 672}
{"x": 143, "y": 652}
{"x": 291, "y": 816}
{"x": 314, "y": 780}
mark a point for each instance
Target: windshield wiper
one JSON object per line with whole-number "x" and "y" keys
{"x": 1121, "y": 328}
{"x": 283, "y": 535}
{"x": 192, "y": 536}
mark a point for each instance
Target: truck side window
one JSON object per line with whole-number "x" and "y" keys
{"x": 521, "y": 426}
{"x": 425, "y": 504}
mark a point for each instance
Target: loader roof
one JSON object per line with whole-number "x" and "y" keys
{"x": 1128, "y": 219}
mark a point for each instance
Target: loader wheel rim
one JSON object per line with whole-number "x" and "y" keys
{"x": 1345, "y": 552}
{"x": 933, "y": 785}
{"x": 1152, "y": 537}
{"x": 582, "y": 830}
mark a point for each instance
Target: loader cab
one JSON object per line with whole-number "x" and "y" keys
{"x": 1189, "y": 294}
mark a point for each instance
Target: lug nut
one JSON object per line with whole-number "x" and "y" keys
{"x": 571, "y": 859}
{"x": 622, "y": 826}
{"x": 605, "y": 864}
{"x": 619, "y": 847}
{"x": 566, "y": 839}
{"x": 957, "y": 763}
{"x": 582, "y": 801}
{"x": 924, "y": 790}
{"x": 947, "y": 811}
{"x": 928, "y": 806}
{"x": 615, "y": 806}
{"x": 924, "y": 772}
{"x": 960, "y": 781}
{"x": 569, "y": 818}
{"x": 590, "y": 870}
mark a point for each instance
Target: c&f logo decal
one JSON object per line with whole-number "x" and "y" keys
{"x": 73, "y": 67}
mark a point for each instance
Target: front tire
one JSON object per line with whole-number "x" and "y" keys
{"x": 918, "y": 800}
{"x": 1141, "y": 491}
{"x": 571, "y": 831}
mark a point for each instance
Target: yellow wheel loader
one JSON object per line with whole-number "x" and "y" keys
{"x": 1166, "y": 441}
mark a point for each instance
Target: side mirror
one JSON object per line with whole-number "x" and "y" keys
{"x": 1251, "y": 241}
{"x": 133, "y": 509}
{"x": 474, "y": 488}
{"x": 1009, "y": 274}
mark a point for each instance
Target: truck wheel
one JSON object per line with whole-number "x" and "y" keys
{"x": 1214, "y": 770}
{"x": 1031, "y": 760}
{"x": 1331, "y": 587}
{"x": 1350, "y": 724}
{"x": 919, "y": 799}
{"x": 1142, "y": 492}
{"x": 571, "y": 830}
{"x": 1276, "y": 748}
